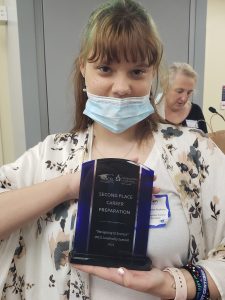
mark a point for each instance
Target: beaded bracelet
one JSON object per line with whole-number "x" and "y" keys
{"x": 201, "y": 282}
{"x": 180, "y": 283}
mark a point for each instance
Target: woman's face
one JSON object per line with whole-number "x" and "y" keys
{"x": 179, "y": 92}
{"x": 120, "y": 80}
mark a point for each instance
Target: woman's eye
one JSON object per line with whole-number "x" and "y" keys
{"x": 179, "y": 91}
{"x": 189, "y": 93}
{"x": 138, "y": 72}
{"x": 104, "y": 69}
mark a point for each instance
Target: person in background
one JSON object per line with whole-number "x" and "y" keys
{"x": 120, "y": 57}
{"x": 175, "y": 106}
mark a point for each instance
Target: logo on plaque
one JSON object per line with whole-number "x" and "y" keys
{"x": 113, "y": 214}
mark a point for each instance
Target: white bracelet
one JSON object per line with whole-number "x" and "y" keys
{"x": 180, "y": 282}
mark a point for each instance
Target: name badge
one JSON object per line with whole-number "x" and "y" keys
{"x": 192, "y": 123}
{"x": 160, "y": 211}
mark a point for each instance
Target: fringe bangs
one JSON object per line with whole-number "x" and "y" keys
{"x": 118, "y": 42}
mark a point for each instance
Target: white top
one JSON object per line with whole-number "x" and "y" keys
{"x": 167, "y": 246}
{"x": 34, "y": 259}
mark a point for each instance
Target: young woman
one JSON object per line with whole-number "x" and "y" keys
{"x": 119, "y": 58}
{"x": 176, "y": 106}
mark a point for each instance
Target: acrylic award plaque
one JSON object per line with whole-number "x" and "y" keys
{"x": 113, "y": 214}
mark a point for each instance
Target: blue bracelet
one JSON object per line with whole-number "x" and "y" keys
{"x": 201, "y": 282}
{"x": 205, "y": 288}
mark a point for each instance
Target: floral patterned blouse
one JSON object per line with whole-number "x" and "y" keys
{"x": 34, "y": 259}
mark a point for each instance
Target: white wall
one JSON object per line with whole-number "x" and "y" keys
{"x": 1, "y": 151}
{"x": 214, "y": 61}
{"x": 6, "y": 135}
{"x": 11, "y": 100}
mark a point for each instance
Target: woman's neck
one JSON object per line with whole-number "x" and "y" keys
{"x": 110, "y": 138}
{"x": 124, "y": 145}
{"x": 177, "y": 116}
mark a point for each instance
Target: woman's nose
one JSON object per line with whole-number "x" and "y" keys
{"x": 121, "y": 87}
{"x": 184, "y": 96}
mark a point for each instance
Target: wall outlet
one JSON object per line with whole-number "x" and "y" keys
{"x": 3, "y": 13}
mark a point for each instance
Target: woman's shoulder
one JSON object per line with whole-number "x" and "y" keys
{"x": 195, "y": 109}
{"x": 57, "y": 146}
{"x": 195, "y": 106}
{"x": 186, "y": 139}
{"x": 66, "y": 139}
{"x": 182, "y": 136}
{"x": 175, "y": 131}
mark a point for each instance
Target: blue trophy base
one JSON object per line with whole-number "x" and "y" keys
{"x": 129, "y": 262}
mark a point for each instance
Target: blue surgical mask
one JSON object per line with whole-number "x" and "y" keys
{"x": 116, "y": 114}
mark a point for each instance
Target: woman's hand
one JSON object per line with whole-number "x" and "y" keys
{"x": 155, "y": 189}
{"x": 154, "y": 282}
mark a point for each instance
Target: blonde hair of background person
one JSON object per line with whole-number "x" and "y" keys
{"x": 119, "y": 58}
{"x": 176, "y": 106}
